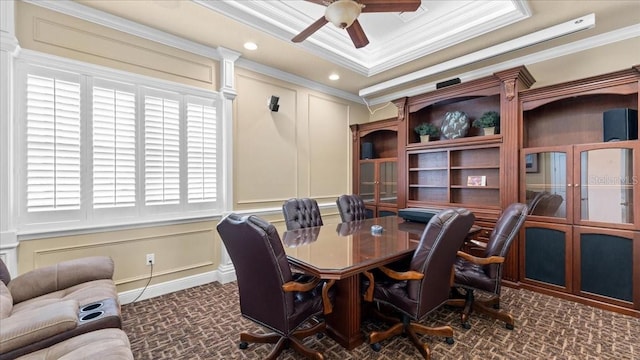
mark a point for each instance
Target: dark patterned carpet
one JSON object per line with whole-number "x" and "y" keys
{"x": 204, "y": 322}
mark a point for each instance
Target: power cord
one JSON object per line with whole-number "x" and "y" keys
{"x": 145, "y": 287}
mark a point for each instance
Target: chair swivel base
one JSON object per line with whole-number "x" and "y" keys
{"x": 283, "y": 342}
{"x": 411, "y": 329}
{"x": 489, "y": 307}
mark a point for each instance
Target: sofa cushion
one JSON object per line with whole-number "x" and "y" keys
{"x": 5, "y": 276}
{"x": 27, "y": 327}
{"x": 84, "y": 293}
{"x": 60, "y": 276}
{"x": 6, "y": 301}
{"x": 106, "y": 344}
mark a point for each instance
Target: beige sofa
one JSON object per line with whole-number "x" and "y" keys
{"x": 44, "y": 309}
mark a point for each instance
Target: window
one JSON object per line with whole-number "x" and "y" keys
{"x": 103, "y": 150}
{"x": 202, "y": 152}
{"x": 53, "y": 147}
{"x": 114, "y": 147}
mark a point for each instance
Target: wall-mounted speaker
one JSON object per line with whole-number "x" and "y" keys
{"x": 366, "y": 151}
{"x": 273, "y": 103}
{"x": 620, "y": 124}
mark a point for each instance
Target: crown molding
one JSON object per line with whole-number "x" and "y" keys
{"x": 558, "y": 51}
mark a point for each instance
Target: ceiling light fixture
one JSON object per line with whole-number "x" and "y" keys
{"x": 342, "y": 13}
{"x": 250, "y": 46}
{"x": 334, "y": 77}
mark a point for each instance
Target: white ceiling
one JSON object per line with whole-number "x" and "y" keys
{"x": 394, "y": 38}
{"x": 420, "y": 52}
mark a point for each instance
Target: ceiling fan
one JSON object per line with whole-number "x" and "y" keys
{"x": 344, "y": 14}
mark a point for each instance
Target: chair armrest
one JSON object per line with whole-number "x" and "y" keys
{"x": 297, "y": 286}
{"x": 477, "y": 244}
{"x": 60, "y": 276}
{"x": 30, "y": 326}
{"x": 368, "y": 295}
{"x": 405, "y": 275}
{"x": 479, "y": 260}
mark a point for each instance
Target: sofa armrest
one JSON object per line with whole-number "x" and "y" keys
{"x": 60, "y": 276}
{"x": 27, "y": 327}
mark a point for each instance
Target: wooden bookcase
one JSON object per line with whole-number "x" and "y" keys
{"x": 586, "y": 246}
{"x": 477, "y": 172}
{"x": 375, "y": 174}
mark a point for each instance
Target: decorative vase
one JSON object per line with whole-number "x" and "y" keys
{"x": 424, "y": 138}
{"x": 455, "y": 125}
{"x": 489, "y": 130}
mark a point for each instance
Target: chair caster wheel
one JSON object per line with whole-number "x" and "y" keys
{"x": 243, "y": 345}
{"x": 376, "y": 347}
{"x": 496, "y": 306}
{"x": 449, "y": 340}
{"x": 509, "y": 326}
{"x": 466, "y": 325}
{"x": 319, "y": 335}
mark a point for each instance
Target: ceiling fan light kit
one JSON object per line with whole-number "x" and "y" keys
{"x": 342, "y": 13}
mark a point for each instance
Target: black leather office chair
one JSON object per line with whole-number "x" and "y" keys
{"x": 485, "y": 273}
{"x": 351, "y": 208}
{"x": 301, "y": 213}
{"x": 426, "y": 284}
{"x": 270, "y": 294}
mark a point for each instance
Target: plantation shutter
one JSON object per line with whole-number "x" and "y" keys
{"x": 53, "y": 143}
{"x": 201, "y": 152}
{"x": 162, "y": 150}
{"x": 114, "y": 148}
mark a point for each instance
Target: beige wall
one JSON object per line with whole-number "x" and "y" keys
{"x": 301, "y": 150}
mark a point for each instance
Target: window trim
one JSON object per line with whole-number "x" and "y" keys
{"x": 90, "y": 218}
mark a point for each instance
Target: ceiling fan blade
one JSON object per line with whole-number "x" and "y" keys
{"x": 390, "y": 5}
{"x": 357, "y": 35}
{"x": 310, "y": 30}
{"x": 319, "y": 2}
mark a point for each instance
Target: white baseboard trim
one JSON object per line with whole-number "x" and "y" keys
{"x": 168, "y": 287}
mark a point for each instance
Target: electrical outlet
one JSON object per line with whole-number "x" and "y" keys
{"x": 151, "y": 259}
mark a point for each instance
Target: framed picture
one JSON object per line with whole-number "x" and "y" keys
{"x": 531, "y": 163}
{"x": 476, "y": 180}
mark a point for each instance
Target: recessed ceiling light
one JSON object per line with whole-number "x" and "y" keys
{"x": 250, "y": 45}
{"x": 334, "y": 77}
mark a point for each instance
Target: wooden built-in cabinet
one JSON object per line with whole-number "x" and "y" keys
{"x": 375, "y": 172}
{"x": 477, "y": 171}
{"x": 582, "y": 239}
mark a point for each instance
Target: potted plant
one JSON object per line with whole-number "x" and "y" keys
{"x": 488, "y": 122}
{"x": 425, "y": 130}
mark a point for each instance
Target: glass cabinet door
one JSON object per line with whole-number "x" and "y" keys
{"x": 367, "y": 181}
{"x": 387, "y": 184}
{"x": 606, "y": 184}
{"x": 547, "y": 174}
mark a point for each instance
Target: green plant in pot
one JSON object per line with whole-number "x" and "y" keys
{"x": 489, "y": 121}
{"x": 426, "y": 130}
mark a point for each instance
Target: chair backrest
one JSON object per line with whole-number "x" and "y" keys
{"x": 435, "y": 255}
{"x": 351, "y": 208}
{"x": 506, "y": 229}
{"x": 547, "y": 205}
{"x": 301, "y": 213}
{"x": 261, "y": 267}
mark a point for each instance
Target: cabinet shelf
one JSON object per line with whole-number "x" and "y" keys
{"x": 475, "y": 187}
{"x": 479, "y": 167}
{"x": 428, "y": 168}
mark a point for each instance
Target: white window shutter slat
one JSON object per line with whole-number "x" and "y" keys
{"x": 162, "y": 150}
{"x": 114, "y": 148}
{"x": 53, "y": 144}
{"x": 201, "y": 153}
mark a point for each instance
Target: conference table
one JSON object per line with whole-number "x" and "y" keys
{"x": 341, "y": 252}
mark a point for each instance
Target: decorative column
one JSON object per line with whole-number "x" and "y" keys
{"x": 9, "y": 48}
{"x": 228, "y": 91}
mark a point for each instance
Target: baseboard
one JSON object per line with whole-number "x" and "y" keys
{"x": 168, "y": 287}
